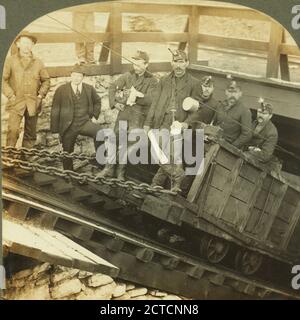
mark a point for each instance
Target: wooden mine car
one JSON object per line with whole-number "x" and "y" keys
{"x": 235, "y": 202}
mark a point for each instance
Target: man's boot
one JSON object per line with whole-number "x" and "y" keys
{"x": 120, "y": 172}
{"x": 177, "y": 178}
{"x": 160, "y": 178}
{"x": 107, "y": 172}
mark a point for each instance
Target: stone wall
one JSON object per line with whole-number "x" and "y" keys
{"x": 49, "y": 282}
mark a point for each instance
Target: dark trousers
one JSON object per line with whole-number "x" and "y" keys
{"x": 89, "y": 129}
{"x": 13, "y": 130}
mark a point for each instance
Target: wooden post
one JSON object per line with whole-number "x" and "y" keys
{"x": 193, "y": 34}
{"x": 182, "y": 45}
{"x": 104, "y": 52}
{"x": 274, "y": 50}
{"x": 284, "y": 63}
{"x": 116, "y": 39}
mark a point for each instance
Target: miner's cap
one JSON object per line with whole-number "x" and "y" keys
{"x": 179, "y": 55}
{"x": 207, "y": 81}
{"x": 266, "y": 107}
{"x": 141, "y": 55}
{"x": 26, "y": 34}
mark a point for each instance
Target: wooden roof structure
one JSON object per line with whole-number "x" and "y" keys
{"x": 25, "y": 239}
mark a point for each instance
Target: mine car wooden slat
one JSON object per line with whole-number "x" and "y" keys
{"x": 248, "y": 198}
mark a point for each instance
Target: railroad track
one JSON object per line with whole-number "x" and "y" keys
{"x": 71, "y": 209}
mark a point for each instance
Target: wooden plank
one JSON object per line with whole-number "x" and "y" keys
{"x": 292, "y": 196}
{"x": 284, "y": 95}
{"x": 226, "y": 159}
{"x": 286, "y": 212}
{"x": 101, "y": 265}
{"x": 193, "y": 34}
{"x": 182, "y": 45}
{"x": 152, "y": 274}
{"x": 240, "y": 13}
{"x": 235, "y": 212}
{"x": 257, "y": 188}
{"x": 294, "y": 221}
{"x": 284, "y": 63}
{"x": 68, "y": 37}
{"x": 94, "y": 70}
{"x": 151, "y": 204}
{"x": 42, "y": 179}
{"x": 200, "y": 71}
{"x": 250, "y": 172}
{"x": 272, "y": 216}
{"x": 144, "y": 254}
{"x": 48, "y": 220}
{"x": 104, "y": 52}
{"x": 196, "y": 272}
{"x": 229, "y": 185}
{"x": 213, "y": 200}
{"x": 18, "y": 210}
{"x": 116, "y": 39}
{"x": 289, "y": 49}
{"x": 91, "y": 7}
{"x": 233, "y": 43}
{"x": 155, "y": 8}
{"x": 65, "y": 71}
{"x": 284, "y": 67}
{"x": 220, "y": 177}
{"x": 274, "y": 50}
{"x": 243, "y": 189}
{"x": 196, "y": 186}
{"x": 260, "y": 202}
{"x": 294, "y": 240}
{"x": 154, "y": 37}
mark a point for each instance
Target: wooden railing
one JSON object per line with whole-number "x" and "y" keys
{"x": 276, "y": 49}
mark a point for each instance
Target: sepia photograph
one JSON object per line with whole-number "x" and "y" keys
{"x": 151, "y": 151}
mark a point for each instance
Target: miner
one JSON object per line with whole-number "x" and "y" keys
{"x": 264, "y": 134}
{"x": 167, "y": 112}
{"x": 25, "y": 84}
{"x": 131, "y": 94}
{"x": 233, "y": 117}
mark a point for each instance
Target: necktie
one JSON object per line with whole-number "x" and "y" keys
{"x": 77, "y": 93}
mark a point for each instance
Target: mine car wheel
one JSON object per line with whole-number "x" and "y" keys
{"x": 213, "y": 249}
{"x": 248, "y": 262}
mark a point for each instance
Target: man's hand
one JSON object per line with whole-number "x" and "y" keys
{"x": 179, "y": 125}
{"x": 255, "y": 149}
{"x": 184, "y": 125}
{"x": 39, "y": 105}
{"x": 133, "y": 95}
{"x": 119, "y": 106}
{"x": 12, "y": 99}
{"x": 146, "y": 128}
{"x": 56, "y": 136}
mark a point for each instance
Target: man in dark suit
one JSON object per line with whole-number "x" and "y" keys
{"x": 74, "y": 105}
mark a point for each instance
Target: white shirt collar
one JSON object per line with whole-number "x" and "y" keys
{"x": 74, "y": 87}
